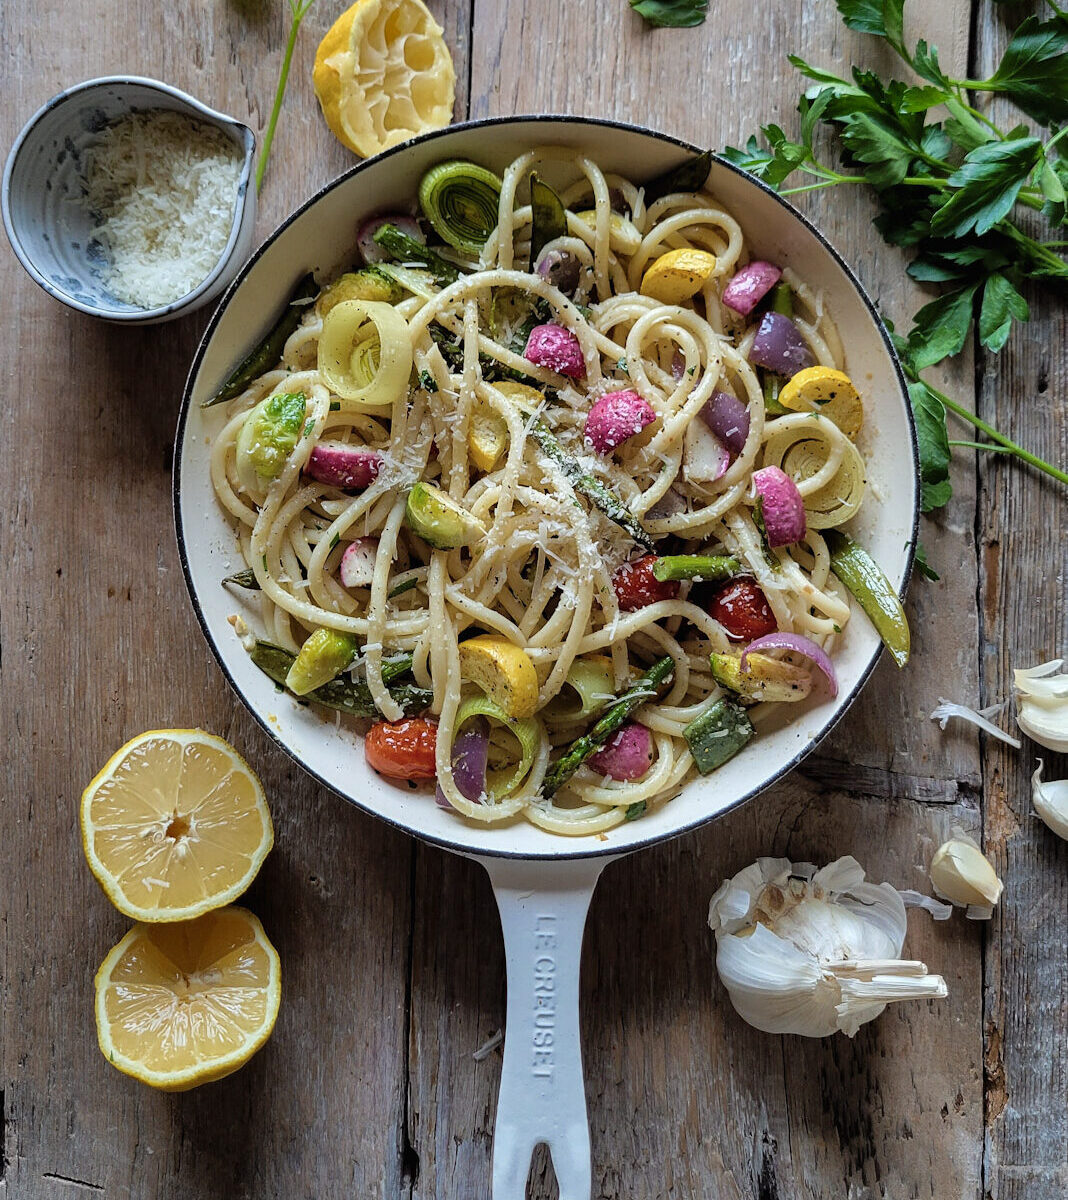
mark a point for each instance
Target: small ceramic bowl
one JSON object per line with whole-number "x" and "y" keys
{"x": 49, "y": 227}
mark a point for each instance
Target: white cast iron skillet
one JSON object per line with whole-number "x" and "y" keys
{"x": 543, "y": 882}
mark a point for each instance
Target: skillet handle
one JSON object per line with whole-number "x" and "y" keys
{"x": 543, "y": 908}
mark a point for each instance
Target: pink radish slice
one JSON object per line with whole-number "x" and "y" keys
{"x": 779, "y": 346}
{"x": 782, "y": 507}
{"x": 343, "y": 466}
{"x": 557, "y": 348}
{"x": 799, "y": 645}
{"x": 728, "y": 418}
{"x": 372, "y": 252}
{"x": 470, "y": 755}
{"x": 358, "y": 562}
{"x": 615, "y": 417}
{"x": 627, "y": 755}
{"x": 750, "y": 285}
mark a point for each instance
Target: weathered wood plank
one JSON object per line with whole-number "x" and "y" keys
{"x": 1023, "y": 538}
{"x": 685, "y": 1099}
{"x": 101, "y": 643}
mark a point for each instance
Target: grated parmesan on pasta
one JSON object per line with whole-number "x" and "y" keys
{"x": 161, "y": 188}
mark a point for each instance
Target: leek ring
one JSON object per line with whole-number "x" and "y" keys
{"x": 460, "y": 201}
{"x": 823, "y": 462}
{"x": 365, "y": 353}
{"x": 526, "y": 731}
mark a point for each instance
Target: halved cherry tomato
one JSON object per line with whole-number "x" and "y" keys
{"x": 636, "y": 586}
{"x": 742, "y": 609}
{"x": 402, "y": 749}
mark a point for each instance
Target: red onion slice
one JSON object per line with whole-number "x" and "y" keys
{"x": 750, "y": 285}
{"x": 372, "y": 252}
{"x": 798, "y": 645}
{"x": 728, "y": 418}
{"x": 470, "y": 755}
{"x": 779, "y": 346}
{"x": 782, "y": 507}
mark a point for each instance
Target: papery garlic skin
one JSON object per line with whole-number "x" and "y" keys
{"x": 962, "y": 874}
{"x": 811, "y": 951}
{"x": 1051, "y": 801}
{"x": 1042, "y": 704}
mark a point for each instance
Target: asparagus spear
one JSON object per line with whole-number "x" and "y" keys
{"x": 244, "y": 579}
{"x": 706, "y": 567}
{"x": 607, "y": 501}
{"x": 346, "y": 694}
{"x": 406, "y": 249}
{"x": 855, "y": 567}
{"x": 269, "y": 351}
{"x": 641, "y": 690}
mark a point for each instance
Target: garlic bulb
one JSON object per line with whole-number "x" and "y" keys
{"x": 961, "y": 874}
{"x": 1042, "y": 704}
{"x": 1051, "y": 801}
{"x": 810, "y": 951}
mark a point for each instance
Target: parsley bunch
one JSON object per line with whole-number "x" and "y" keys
{"x": 949, "y": 190}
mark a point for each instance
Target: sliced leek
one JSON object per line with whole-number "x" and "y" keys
{"x": 460, "y": 200}
{"x": 526, "y": 731}
{"x": 365, "y": 353}
{"x": 823, "y": 462}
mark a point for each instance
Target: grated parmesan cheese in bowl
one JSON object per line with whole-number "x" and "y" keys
{"x": 128, "y": 199}
{"x": 161, "y": 188}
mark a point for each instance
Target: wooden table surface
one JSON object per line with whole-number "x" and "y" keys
{"x": 391, "y": 951}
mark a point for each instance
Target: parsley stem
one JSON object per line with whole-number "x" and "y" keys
{"x": 298, "y": 8}
{"x": 1009, "y": 445}
{"x": 980, "y": 446}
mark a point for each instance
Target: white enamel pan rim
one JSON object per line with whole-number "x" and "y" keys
{"x": 557, "y": 846}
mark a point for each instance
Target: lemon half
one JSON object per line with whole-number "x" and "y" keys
{"x": 384, "y": 74}
{"x": 174, "y": 825}
{"x": 180, "y": 1005}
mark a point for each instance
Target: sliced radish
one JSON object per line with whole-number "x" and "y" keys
{"x": 615, "y": 417}
{"x": 557, "y": 348}
{"x": 728, "y": 418}
{"x": 627, "y": 755}
{"x": 372, "y": 252}
{"x": 704, "y": 457}
{"x": 782, "y": 507}
{"x": 750, "y": 285}
{"x": 358, "y": 562}
{"x": 343, "y": 466}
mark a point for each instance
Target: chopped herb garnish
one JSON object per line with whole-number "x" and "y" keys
{"x": 335, "y": 406}
{"x": 634, "y": 810}
{"x": 335, "y": 540}
{"x": 427, "y": 382}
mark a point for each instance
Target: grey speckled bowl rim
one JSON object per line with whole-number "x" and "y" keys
{"x": 568, "y": 850}
{"x": 136, "y": 315}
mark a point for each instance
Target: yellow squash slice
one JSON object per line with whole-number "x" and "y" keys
{"x": 504, "y": 671}
{"x": 828, "y": 392}
{"x": 676, "y": 276}
{"x": 180, "y": 1005}
{"x": 384, "y": 74}
{"x": 175, "y": 824}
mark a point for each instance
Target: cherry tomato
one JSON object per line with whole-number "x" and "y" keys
{"x": 742, "y": 609}
{"x": 636, "y": 586}
{"x": 402, "y": 749}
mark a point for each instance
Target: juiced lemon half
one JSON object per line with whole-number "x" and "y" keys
{"x": 180, "y": 1005}
{"x": 384, "y": 74}
{"x": 174, "y": 825}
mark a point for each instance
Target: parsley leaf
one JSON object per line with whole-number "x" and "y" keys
{"x": 989, "y": 180}
{"x": 919, "y": 561}
{"x": 677, "y": 14}
{"x": 1034, "y": 70}
{"x": 1002, "y": 304}
{"x": 881, "y": 17}
{"x": 941, "y": 327}
{"x": 933, "y": 441}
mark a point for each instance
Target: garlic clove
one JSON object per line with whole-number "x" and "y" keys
{"x": 961, "y": 874}
{"x": 1042, "y": 704}
{"x": 1051, "y": 801}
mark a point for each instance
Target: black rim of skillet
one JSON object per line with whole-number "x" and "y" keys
{"x": 567, "y": 847}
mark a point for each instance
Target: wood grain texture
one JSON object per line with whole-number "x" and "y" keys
{"x": 391, "y": 952}
{"x": 1023, "y": 519}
